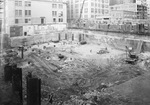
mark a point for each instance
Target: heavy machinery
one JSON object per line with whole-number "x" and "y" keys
{"x": 78, "y": 21}
{"x": 131, "y": 57}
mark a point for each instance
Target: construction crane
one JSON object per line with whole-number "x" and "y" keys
{"x": 81, "y": 10}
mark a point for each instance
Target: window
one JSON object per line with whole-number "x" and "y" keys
{"x": 27, "y": 3}
{"x": 86, "y": 4}
{"x": 76, "y": 5}
{"x": 18, "y": 12}
{"x": 18, "y": 3}
{"x": 77, "y": 11}
{"x": 54, "y": 19}
{"x": 102, "y": 11}
{"x": 27, "y": 12}
{"x": 92, "y": 10}
{"x": 95, "y": 5}
{"x": 61, "y": 14}
{"x": 60, "y": 6}
{"x": 92, "y": 4}
{"x": 86, "y": 10}
{"x": 54, "y": 5}
{"x": 16, "y": 21}
{"x": 60, "y": 19}
{"x": 54, "y": 13}
{"x": 86, "y": 16}
{"x": 99, "y": 11}
{"x": 95, "y": 10}
{"x": 26, "y": 20}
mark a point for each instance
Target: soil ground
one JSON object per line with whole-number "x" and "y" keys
{"x": 83, "y": 77}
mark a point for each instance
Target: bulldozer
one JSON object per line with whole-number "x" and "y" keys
{"x": 131, "y": 57}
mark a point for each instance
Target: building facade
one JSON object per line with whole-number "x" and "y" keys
{"x": 140, "y": 10}
{"x": 91, "y": 9}
{"x": 122, "y": 16}
{"x": 31, "y": 12}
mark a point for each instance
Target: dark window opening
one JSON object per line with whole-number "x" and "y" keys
{"x": 16, "y": 21}
{"x": 42, "y": 20}
{"x": 25, "y": 33}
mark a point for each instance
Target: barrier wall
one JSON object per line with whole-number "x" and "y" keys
{"x": 143, "y": 29}
{"x": 120, "y": 43}
{"x": 30, "y": 30}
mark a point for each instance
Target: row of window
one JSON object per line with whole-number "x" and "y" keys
{"x": 95, "y": 10}
{"x": 19, "y": 3}
{"x": 54, "y": 13}
{"x": 59, "y": 20}
{"x": 92, "y": 4}
{"x": 19, "y": 21}
{"x": 29, "y": 20}
{"x": 19, "y": 12}
{"x": 59, "y": 6}
{"x": 28, "y": 4}
{"x": 99, "y": 11}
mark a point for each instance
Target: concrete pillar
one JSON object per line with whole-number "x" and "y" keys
{"x": 33, "y": 91}
{"x": 17, "y": 84}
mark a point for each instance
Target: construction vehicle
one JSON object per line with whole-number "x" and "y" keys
{"x": 77, "y": 22}
{"x": 103, "y": 51}
{"x": 131, "y": 57}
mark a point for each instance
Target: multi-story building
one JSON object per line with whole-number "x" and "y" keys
{"x": 139, "y": 9}
{"x": 91, "y": 9}
{"x": 25, "y": 12}
{"x": 122, "y": 16}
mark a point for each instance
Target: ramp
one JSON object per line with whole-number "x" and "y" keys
{"x": 139, "y": 47}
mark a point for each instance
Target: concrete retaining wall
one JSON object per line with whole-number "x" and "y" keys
{"x": 120, "y": 43}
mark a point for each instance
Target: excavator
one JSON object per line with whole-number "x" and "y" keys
{"x": 131, "y": 58}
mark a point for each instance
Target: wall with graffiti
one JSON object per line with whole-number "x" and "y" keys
{"x": 143, "y": 29}
{"x": 30, "y": 30}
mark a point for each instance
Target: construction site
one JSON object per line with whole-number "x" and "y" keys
{"x": 81, "y": 68}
